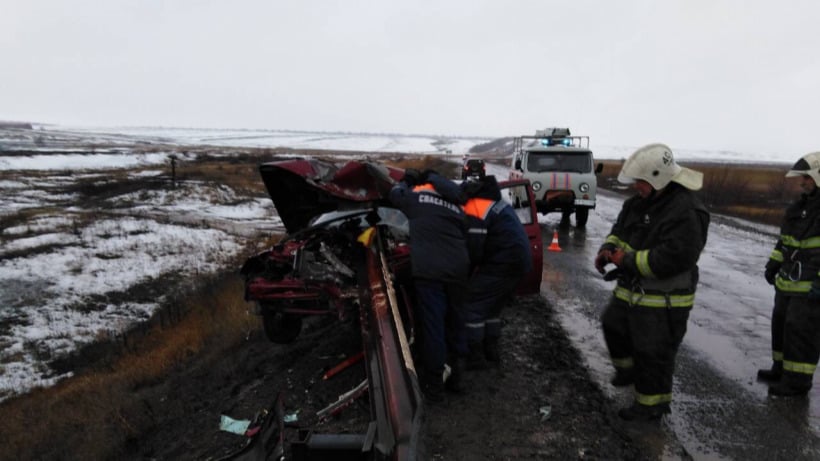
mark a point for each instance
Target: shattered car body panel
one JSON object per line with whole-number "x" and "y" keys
{"x": 313, "y": 271}
{"x": 352, "y": 258}
{"x": 303, "y": 189}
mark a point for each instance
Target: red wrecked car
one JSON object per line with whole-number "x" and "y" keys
{"x": 318, "y": 268}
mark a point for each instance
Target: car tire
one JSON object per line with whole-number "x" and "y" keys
{"x": 281, "y": 328}
{"x": 581, "y": 217}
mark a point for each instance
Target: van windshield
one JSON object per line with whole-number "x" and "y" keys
{"x": 554, "y": 161}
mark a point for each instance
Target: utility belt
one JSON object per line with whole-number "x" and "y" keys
{"x": 794, "y": 276}
{"x": 676, "y": 291}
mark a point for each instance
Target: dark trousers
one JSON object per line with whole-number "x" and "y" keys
{"x": 441, "y": 323}
{"x": 781, "y": 304}
{"x": 801, "y": 339}
{"x": 648, "y": 338}
{"x": 488, "y": 294}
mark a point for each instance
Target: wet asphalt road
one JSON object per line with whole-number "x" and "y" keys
{"x": 719, "y": 410}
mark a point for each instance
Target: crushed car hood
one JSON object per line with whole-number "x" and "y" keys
{"x": 304, "y": 188}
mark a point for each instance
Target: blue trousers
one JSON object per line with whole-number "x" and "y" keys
{"x": 488, "y": 294}
{"x": 439, "y": 306}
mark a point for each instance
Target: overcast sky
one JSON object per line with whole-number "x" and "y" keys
{"x": 716, "y": 74}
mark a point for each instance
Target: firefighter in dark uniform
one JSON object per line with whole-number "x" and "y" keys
{"x": 793, "y": 269}
{"x": 440, "y": 266}
{"x": 500, "y": 255}
{"x": 655, "y": 244}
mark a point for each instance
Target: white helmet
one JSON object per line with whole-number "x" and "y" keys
{"x": 808, "y": 165}
{"x": 655, "y": 164}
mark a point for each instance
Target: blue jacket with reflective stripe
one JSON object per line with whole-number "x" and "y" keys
{"x": 438, "y": 249}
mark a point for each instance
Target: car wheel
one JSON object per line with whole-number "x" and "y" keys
{"x": 581, "y": 216}
{"x": 281, "y": 328}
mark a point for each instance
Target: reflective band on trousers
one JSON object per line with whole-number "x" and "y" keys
{"x": 797, "y": 367}
{"x": 653, "y": 300}
{"x": 655, "y": 399}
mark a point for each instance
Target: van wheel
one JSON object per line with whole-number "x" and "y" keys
{"x": 581, "y": 216}
{"x": 281, "y": 328}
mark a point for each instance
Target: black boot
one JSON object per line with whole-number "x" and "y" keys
{"x": 623, "y": 377}
{"x": 455, "y": 382}
{"x": 492, "y": 351}
{"x": 475, "y": 357}
{"x": 638, "y": 412}
{"x": 790, "y": 387}
{"x": 432, "y": 387}
{"x": 771, "y": 375}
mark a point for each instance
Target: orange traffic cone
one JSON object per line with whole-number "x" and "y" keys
{"x": 554, "y": 245}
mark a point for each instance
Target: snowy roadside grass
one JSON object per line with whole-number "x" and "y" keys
{"x": 95, "y": 415}
{"x": 81, "y": 255}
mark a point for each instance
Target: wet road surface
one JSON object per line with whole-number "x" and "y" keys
{"x": 719, "y": 410}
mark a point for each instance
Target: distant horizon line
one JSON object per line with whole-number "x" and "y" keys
{"x": 5, "y": 123}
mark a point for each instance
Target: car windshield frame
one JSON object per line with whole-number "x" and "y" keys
{"x": 391, "y": 217}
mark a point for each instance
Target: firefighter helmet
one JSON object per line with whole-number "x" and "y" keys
{"x": 655, "y": 164}
{"x": 808, "y": 165}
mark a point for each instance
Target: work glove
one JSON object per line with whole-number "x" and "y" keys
{"x": 770, "y": 274}
{"x": 412, "y": 177}
{"x": 814, "y": 292}
{"x": 613, "y": 274}
{"x": 602, "y": 260}
{"x": 617, "y": 257}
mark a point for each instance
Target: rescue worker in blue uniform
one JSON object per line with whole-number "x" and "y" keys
{"x": 794, "y": 269}
{"x": 500, "y": 255}
{"x": 440, "y": 268}
{"x": 655, "y": 243}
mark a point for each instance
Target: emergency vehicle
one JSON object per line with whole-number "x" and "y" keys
{"x": 562, "y": 172}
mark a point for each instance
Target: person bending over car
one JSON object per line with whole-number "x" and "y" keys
{"x": 440, "y": 266}
{"x": 501, "y": 256}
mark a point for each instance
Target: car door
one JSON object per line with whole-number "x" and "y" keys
{"x": 519, "y": 194}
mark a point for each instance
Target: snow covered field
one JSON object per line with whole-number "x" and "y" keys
{"x": 68, "y": 273}
{"x": 64, "y": 275}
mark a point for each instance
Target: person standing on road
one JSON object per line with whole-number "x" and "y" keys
{"x": 794, "y": 270}
{"x": 655, "y": 243}
{"x": 501, "y": 256}
{"x": 440, "y": 267}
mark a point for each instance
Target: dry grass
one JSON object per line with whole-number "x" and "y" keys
{"x": 429, "y": 162}
{"x": 93, "y": 415}
{"x": 759, "y": 193}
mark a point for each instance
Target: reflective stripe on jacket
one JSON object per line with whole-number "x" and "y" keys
{"x": 797, "y": 252}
